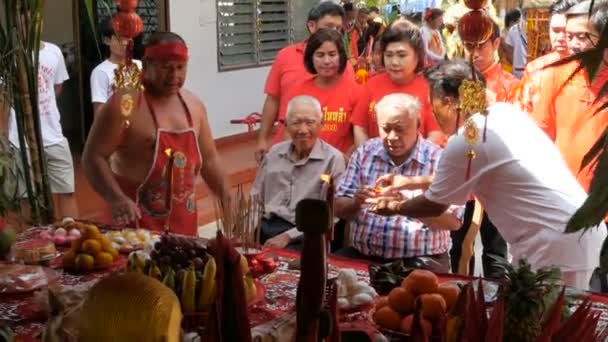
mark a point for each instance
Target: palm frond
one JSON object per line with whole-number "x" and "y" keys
{"x": 595, "y": 207}
{"x": 597, "y": 148}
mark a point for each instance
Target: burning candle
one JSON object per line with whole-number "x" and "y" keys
{"x": 169, "y": 179}
{"x": 329, "y": 198}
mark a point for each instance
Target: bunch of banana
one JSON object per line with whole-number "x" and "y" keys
{"x": 188, "y": 294}
{"x": 208, "y": 287}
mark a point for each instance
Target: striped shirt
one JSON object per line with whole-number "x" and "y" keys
{"x": 394, "y": 236}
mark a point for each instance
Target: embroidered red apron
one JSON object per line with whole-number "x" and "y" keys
{"x": 180, "y": 214}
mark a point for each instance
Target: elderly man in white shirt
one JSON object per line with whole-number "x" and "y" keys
{"x": 291, "y": 171}
{"x": 517, "y": 175}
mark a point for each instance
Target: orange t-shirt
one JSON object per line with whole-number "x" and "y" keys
{"x": 568, "y": 115}
{"x": 337, "y": 104}
{"x": 528, "y": 91}
{"x": 381, "y": 85}
{"x": 499, "y": 83}
{"x": 288, "y": 69}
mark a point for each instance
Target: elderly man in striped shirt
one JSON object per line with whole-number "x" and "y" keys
{"x": 400, "y": 149}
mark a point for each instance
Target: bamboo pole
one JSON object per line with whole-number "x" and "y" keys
{"x": 26, "y": 40}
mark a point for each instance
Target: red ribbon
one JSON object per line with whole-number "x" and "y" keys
{"x": 173, "y": 51}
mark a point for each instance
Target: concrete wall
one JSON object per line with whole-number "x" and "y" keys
{"x": 228, "y": 94}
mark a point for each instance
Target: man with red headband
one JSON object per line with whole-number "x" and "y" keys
{"x": 147, "y": 171}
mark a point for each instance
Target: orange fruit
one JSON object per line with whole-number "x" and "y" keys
{"x": 383, "y": 301}
{"x": 402, "y": 300}
{"x": 421, "y": 282}
{"x": 114, "y": 253}
{"x": 90, "y": 232}
{"x": 84, "y": 262}
{"x": 406, "y": 325}
{"x": 106, "y": 244}
{"x": 387, "y": 318}
{"x": 450, "y": 293}
{"x": 91, "y": 246}
{"x": 433, "y": 305}
{"x": 103, "y": 259}
{"x": 69, "y": 259}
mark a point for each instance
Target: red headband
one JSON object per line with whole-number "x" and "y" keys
{"x": 173, "y": 51}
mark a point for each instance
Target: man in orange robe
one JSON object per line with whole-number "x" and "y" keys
{"x": 499, "y": 83}
{"x": 527, "y": 93}
{"x": 567, "y": 113}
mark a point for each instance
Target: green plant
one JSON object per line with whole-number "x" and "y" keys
{"x": 20, "y": 27}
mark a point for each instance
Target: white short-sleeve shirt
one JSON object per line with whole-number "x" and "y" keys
{"x": 518, "y": 40}
{"x": 52, "y": 71}
{"x": 522, "y": 181}
{"x": 102, "y": 81}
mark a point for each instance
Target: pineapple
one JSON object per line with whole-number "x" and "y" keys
{"x": 527, "y": 294}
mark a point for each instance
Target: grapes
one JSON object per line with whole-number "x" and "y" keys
{"x": 179, "y": 253}
{"x": 198, "y": 263}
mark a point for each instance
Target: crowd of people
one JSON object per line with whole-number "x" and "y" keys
{"x": 392, "y": 143}
{"x": 402, "y": 193}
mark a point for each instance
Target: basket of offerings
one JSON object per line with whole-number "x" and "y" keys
{"x": 528, "y": 306}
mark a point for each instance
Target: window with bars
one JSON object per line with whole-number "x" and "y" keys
{"x": 251, "y": 32}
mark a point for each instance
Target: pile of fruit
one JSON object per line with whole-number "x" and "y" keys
{"x": 90, "y": 251}
{"x": 184, "y": 265}
{"x": 127, "y": 240}
{"x": 395, "y": 312}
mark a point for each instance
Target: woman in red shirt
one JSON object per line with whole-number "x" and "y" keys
{"x": 403, "y": 60}
{"x": 325, "y": 57}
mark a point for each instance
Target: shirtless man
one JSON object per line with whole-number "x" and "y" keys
{"x": 128, "y": 167}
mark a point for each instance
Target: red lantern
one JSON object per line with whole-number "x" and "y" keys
{"x": 127, "y": 5}
{"x": 127, "y": 24}
{"x": 476, "y": 4}
{"x": 475, "y": 27}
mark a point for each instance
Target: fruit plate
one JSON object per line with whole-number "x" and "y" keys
{"x": 193, "y": 321}
{"x": 401, "y": 336}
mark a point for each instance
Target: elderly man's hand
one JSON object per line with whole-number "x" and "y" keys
{"x": 364, "y": 194}
{"x": 280, "y": 241}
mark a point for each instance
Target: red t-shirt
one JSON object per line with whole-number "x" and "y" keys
{"x": 288, "y": 70}
{"x": 381, "y": 85}
{"x": 337, "y": 104}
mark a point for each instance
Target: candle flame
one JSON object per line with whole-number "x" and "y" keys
{"x": 326, "y": 178}
{"x": 168, "y": 152}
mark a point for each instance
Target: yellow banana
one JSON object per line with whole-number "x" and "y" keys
{"x": 250, "y": 289}
{"x": 169, "y": 279}
{"x": 207, "y": 295}
{"x": 154, "y": 272}
{"x": 453, "y": 328}
{"x": 188, "y": 291}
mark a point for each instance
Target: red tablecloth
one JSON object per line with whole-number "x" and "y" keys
{"x": 23, "y": 311}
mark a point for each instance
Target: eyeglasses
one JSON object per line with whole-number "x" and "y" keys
{"x": 581, "y": 35}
